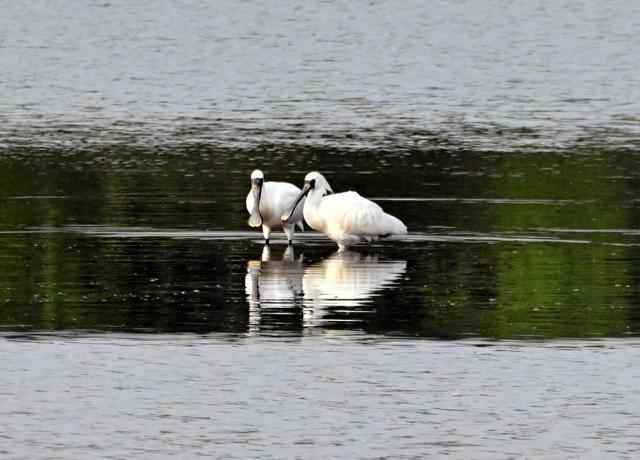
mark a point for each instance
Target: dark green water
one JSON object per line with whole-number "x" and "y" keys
{"x": 154, "y": 239}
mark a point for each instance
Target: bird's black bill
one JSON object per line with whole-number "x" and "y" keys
{"x": 255, "y": 219}
{"x": 285, "y": 217}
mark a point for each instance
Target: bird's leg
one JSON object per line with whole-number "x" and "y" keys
{"x": 266, "y": 231}
{"x": 289, "y": 231}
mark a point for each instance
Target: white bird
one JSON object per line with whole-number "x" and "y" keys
{"x": 267, "y": 201}
{"x": 346, "y": 218}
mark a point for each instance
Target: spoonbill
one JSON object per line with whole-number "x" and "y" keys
{"x": 346, "y": 218}
{"x": 267, "y": 201}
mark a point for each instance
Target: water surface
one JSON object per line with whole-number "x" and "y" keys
{"x": 500, "y": 245}
{"x": 317, "y": 397}
{"x": 490, "y": 75}
{"x": 141, "y": 317}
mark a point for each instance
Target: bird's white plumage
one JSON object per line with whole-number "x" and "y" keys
{"x": 275, "y": 199}
{"x": 347, "y": 218}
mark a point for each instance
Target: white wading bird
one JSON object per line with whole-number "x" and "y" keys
{"x": 267, "y": 201}
{"x": 346, "y": 218}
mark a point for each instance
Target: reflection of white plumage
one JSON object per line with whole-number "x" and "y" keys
{"x": 267, "y": 201}
{"x": 346, "y": 218}
{"x": 339, "y": 284}
{"x": 273, "y": 285}
{"x": 347, "y": 280}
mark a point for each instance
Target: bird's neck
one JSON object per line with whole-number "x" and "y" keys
{"x": 311, "y": 205}
{"x": 315, "y": 197}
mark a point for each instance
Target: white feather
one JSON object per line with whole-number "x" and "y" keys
{"x": 347, "y": 218}
{"x": 275, "y": 199}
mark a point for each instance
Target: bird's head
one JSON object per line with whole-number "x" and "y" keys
{"x": 314, "y": 181}
{"x": 257, "y": 181}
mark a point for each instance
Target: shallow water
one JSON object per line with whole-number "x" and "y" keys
{"x": 500, "y": 245}
{"x": 490, "y": 75}
{"x": 317, "y": 397}
{"x": 141, "y": 317}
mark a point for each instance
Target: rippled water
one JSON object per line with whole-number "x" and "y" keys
{"x": 491, "y": 74}
{"x": 162, "y": 396}
{"x": 141, "y": 317}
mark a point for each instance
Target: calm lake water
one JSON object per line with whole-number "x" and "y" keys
{"x": 140, "y": 316}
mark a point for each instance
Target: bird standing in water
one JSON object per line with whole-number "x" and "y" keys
{"x": 346, "y": 218}
{"x": 267, "y": 201}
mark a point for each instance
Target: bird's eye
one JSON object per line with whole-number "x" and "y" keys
{"x": 312, "y": 183}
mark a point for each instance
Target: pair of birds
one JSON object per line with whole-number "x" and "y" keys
{"x": 346, "y": 218}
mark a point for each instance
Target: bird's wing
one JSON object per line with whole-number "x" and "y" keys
{"x": 351, "y": 213}
{"x": 277, "y": 198}
{"x": 286, "y": 197}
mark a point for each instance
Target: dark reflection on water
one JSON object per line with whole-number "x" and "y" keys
{"x": 501, "y": 245}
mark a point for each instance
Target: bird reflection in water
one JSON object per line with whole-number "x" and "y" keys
{"x": 285, "y": 295}
{"x": 337, "y": 288}
{"x": 274, "y": 291}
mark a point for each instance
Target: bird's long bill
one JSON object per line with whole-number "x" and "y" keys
{"x": 255, "y": 219}
{"x": 285, "y": 217}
